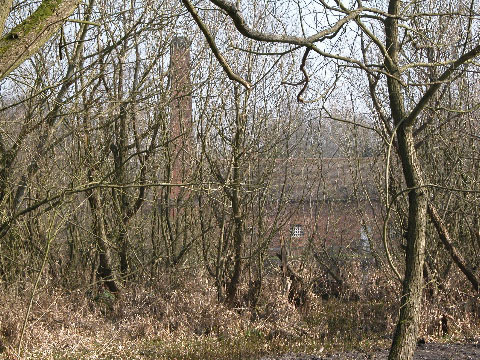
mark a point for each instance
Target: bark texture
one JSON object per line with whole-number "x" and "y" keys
{"x": 5, "y": 6}
{"x": 406, "y": 332}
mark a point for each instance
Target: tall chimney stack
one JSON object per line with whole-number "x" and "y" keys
{"x": 180, "y": 113}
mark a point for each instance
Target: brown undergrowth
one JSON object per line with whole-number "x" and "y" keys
{"x": 182, "y": 319}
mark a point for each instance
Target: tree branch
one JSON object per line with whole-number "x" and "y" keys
{"x": 410, "y": 119}
{"x": 233, "y": 12}
{"x": 451, "y": 249}
{"x": 211, "y": 42}
{"x": 26, "y": 38}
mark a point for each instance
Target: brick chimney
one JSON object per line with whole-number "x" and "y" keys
{"x": 180, "y": 114}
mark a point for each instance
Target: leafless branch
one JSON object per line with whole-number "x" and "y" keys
{"x": 211, "y": 42}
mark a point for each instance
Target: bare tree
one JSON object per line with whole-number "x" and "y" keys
{"x": 383, "y": 44}
{"x": 89, "y": 121}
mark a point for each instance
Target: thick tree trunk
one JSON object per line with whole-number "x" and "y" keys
{"x": 27, "y": 37}
{"x": 406, "y": 332}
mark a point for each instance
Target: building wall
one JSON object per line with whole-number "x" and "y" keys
{"x": 328, "y": 225}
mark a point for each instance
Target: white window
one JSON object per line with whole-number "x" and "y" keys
{"x": 364, "y": 238}
{"x": 297, "y": 231}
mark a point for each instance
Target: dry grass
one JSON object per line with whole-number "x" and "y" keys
{"x": 183, "y": 320}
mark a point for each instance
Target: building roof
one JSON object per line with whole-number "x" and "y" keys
{"x": 327, "y": 179}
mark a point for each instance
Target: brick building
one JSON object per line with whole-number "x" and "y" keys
{"x": 328, "y": 202}
{"x": 332, "y": 203}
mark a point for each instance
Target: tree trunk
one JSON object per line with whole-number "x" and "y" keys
{"x": 406, "y": 332}
{"x": 26, "y": 38}
{"x": 238, "y": 236}
{"x": 105, "y": 269}
{"x": 405, "y": 336}
{"x": 236, "y": 199}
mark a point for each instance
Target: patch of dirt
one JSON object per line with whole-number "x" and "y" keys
{"x": 429, "y": 351}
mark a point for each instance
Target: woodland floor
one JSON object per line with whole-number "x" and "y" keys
{"x": 186, "y": 322}
{"x": 429, "y": 351}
